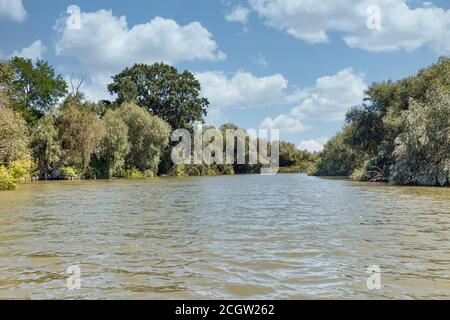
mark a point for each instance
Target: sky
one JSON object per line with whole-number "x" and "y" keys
{"x": 292, "y": 65}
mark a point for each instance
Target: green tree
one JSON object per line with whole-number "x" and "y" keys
{"x": 14, "y": 137}
{"x": 422, "y": 152}
{"x": 6, "y": 82}
{"x": 81, "y": 132}
{"x": 14, "y": 152}
{"x": 163, "y": 91}
{"x": 337, "y": 158}
{"x": 46, "y": 146}
{"x": 375, "y": 125}
{"x": 115, "y": 146}
{"x": 147, "y": 135}
{"x": 35, "y": 88}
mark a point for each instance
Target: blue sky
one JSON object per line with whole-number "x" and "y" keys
{"x": 294, "y": 65}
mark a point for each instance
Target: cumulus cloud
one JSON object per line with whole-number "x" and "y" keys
{"x": 104, "y": 44}
{"x": 241, "y": 90}
{"x": 374, "y": 25}
{"x": 93, "y": 87}
{"x": 33, "y": 52}
{"x": 331, "y": 96}
{"x": 315, "y": 145}
{"x": 283, "y": 122}
{"x": 328, "y": 100}
{"x": 102, "y": 41}
{"x": 12, "y": 9}
{"x": 238, "y": 14}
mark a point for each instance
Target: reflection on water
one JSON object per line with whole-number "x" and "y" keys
{"x": 284, "y": 237}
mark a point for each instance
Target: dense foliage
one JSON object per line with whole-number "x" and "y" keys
{"x": 162, "y": 91}
{"x": 46, "y": 133}
{"x": 35, "y": 88}
{"x": 399, "y": 134}
{"x": 14, "y": 152}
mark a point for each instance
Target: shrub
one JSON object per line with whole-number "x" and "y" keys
{"x": 68, "y": 173}
{"x": 20, "y": 170}
{"x": 7, "y": 181}
{"x": 133, "y": 174}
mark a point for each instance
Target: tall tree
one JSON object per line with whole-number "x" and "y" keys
{"x": 14, "y": 138}
{"x": 422, "y": 150}
{"x": 162, "y": 91}
{"x": 114, "y": 146}
{"x": 81, "y": 131}
{"x": 36, "y": 88}
{"x": 6, "y": 81}
{"x": 148, "y": 136}
{"x": 46, "y": 146}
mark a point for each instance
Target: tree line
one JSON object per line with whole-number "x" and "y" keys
{"x": 47, "y": 132}
{"x": 400, "y": 134}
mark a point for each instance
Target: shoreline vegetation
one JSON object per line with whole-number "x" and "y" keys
{"x": 400, "y": 134}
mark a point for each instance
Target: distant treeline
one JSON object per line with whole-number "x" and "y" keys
{"x": 399, "y": 134}
{"x": 50, "y": 132}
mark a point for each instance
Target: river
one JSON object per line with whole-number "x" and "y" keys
{"x": 242, "y": 237}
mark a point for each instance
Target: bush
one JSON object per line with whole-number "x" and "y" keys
{"x": 68, "y": 173}
{"x": 133, "y": 174}
{"x": 20, "y": 170}
{"x": 7, "y": 181}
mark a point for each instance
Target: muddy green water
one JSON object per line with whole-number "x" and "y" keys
{"x": 243, "y": 237}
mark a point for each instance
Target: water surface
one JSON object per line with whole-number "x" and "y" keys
{"x": 241, "y": 237}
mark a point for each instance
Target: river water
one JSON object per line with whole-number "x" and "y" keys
{"x": 242, "y": 237}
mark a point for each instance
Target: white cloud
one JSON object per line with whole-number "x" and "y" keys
{"x": 33, "y": 52}
{"x": 315, "y": 145}
{"x": 401, "y": 27}
{"x": 328, "y": 100}
{"x": 13, "y": 9}
{"x": 331, "y": 96}
{"x": 238, "y": 14}
{"x": 94, "y": 87}
{"x": 104, "y": 44}
{"x": 241, "y": 90}
{"x": 285, "y": 123}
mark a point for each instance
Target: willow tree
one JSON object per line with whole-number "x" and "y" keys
{"x": 81, "y": 132}
{"x": 14, "y": 139}
{"x": 422, "y": 152}
{"x": 14, "y": 153}
{"x": 114, "y": 146}
{"x": 147, "y": 135}
{"x": 46, "y": 146}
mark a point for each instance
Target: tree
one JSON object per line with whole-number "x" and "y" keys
{"x": 147, "y": 135}
{"x": 337, "y": 158}
{"x": 46, "y": 146}
{"x": 374, "y": 126}
{"x": 14, "y": 139}
{"x": 163, "y": 91}
{"x": 422, "y": 151}
{"x": 14, "y": 153}
{"x": 6, "y": 81}
{"x": 115, "y": 146}
{"x": 81, "y": 131}
{"x": 35, "y": 88}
